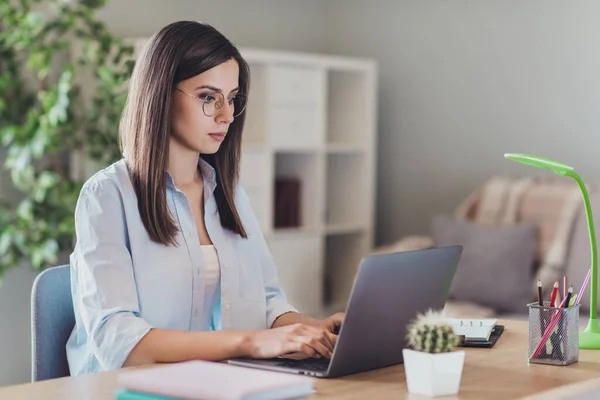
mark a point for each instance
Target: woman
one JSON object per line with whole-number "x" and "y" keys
{"x": 170, "y": 263}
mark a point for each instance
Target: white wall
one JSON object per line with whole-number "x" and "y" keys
{"x": 280, "y": 24}
{"x": 464, "y": 81}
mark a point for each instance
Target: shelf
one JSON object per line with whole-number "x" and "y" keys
{"x": 345, "y": 149}
{"x": 300, "y": 271}
{"x": 344, "y": 229}
{"x": 255, "y": 125}
{"x": 261, "y": 205}
{"x": 350, "y": 107}
{"x": 254, "y": 147}
{"x": 280, "y": 233}
{"x": 296, "y": 149}
{"x": 255, "y": 167}
{"x": 346, "y": 199}
{"x": 305, "y": 169}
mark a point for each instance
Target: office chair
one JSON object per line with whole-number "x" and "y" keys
{"x": 52, "y": 320}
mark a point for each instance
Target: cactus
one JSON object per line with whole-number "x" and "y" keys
{"x": 431, "y": 333}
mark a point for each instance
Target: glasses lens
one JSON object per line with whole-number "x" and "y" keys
{"x": 239, "y": 104}
{"x": 213, "y": 102}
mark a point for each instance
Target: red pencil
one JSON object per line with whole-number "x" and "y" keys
{"x": 554, "y": 293}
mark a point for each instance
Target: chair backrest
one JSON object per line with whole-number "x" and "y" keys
{"x": 52, "y": 320}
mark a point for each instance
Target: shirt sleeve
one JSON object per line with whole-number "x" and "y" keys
{"x": 107, "y": 300}
{"x": 277, "y": 303}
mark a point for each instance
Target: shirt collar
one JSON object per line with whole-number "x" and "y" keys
{"x": 208, "y": 172}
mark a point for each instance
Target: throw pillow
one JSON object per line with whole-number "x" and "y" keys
{"x": 495, "y": 269}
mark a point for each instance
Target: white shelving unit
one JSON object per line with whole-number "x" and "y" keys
{"x": 312, "y": 117}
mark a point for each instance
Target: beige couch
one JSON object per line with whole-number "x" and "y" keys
{"x": 554, "y": 206}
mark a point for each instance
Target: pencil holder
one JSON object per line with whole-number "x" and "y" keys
{"x": 553, "y": 334}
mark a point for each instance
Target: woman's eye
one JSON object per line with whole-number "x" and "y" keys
{"x": 208, "y": 98}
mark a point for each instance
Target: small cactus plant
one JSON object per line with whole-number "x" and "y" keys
{"x": 431, "y": 333}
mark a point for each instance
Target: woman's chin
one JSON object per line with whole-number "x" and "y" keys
{"x": 210, "y": 149}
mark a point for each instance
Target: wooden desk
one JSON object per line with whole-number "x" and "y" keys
{"x": 498, "y": 373}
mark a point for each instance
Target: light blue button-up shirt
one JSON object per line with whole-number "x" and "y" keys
{"x": 123, "y": 284}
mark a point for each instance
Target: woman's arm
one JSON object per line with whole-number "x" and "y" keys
{"x": 167, "y": 346}
{"x": 294, "y": 318}
{"x": 332, "y": 323}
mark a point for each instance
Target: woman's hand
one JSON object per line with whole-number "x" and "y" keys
{"x": 313, "y": 341}
{"x": 333, "y": 323}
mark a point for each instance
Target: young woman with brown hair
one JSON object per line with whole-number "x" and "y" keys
{"x": 170, "y": 263}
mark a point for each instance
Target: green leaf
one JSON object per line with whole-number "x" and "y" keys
{"x": 7, "y": 134}
{"x": 25, "y": 210}
{"x": 5, "y": 242}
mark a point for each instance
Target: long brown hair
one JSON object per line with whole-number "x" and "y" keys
{"x": 179, "y": 51}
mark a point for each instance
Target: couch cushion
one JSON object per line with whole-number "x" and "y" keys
{"x": 495, "y": 269}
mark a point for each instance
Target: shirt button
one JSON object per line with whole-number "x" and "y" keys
{"x": 227, "y": 308}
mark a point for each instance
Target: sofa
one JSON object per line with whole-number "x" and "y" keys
{"x": 514, "y": 232}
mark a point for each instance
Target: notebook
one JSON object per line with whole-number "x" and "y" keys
{"x": 124, "y": 394}
{"x": 473, "y": 329}
{"x": 198, "y": 380}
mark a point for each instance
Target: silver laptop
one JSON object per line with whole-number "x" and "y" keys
{"x": 388, "y": 292}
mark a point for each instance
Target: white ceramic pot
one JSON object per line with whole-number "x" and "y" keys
{"x": 433, "y": 374}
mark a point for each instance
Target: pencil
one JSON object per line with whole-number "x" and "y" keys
{"x": 554, "y": 294}
{"x": 569, "y": 294}
{"x": 541, "y": 311}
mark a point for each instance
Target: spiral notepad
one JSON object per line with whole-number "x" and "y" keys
{"x": 473, "y": 329}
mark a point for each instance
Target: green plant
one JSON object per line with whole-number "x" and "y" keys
{"x": 62, "y": 88}
{"x": 431, "y": 333}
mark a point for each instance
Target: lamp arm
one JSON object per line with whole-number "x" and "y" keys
{"x": 594, "y": 251}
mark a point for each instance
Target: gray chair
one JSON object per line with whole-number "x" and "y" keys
{"x": 52, "y": 320}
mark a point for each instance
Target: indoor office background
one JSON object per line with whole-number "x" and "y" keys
{"x": 459, "y": 83}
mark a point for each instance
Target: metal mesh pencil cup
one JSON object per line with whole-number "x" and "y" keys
{"x": 562, "y": 345}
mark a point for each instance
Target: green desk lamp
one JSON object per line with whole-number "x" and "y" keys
{"x": 590, "y": 337}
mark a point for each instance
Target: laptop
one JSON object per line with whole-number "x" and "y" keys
{"x": 388, "y": 292}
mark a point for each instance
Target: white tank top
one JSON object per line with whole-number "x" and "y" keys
{"x": 212, "y": 276}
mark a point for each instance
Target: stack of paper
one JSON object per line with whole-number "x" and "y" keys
{"x": 473, "y": 329}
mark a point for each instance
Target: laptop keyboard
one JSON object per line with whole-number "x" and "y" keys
{"x": 311, "y": 365}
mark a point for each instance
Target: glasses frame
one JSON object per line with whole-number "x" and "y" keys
{"x": 217, "y": 106}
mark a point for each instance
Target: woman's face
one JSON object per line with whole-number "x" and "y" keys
{"x": 200, "y": 124}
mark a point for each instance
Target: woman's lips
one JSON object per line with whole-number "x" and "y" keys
{"x": 219, "y": 136}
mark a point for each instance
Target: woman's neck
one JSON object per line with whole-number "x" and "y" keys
{"x": 183, "y": 165}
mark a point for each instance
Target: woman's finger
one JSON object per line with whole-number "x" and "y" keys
{"x": 330, "y": 339}
{"x": 322, "y": 335}
{"x": 322, "y": 348}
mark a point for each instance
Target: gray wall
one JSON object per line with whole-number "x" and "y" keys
{"x": 464, "y": 81}
{"x": 293, "y": 25}
{"x": 278, "y": 24}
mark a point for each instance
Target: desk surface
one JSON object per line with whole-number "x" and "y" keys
{"x": 498, "y": 373}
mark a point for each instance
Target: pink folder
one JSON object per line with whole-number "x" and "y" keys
{"x": 200, "y": 380}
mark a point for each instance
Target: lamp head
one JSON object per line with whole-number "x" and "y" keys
{"x": 540, "y": 162}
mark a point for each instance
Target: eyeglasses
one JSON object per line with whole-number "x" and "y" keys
{"x": 213, "y": 102}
